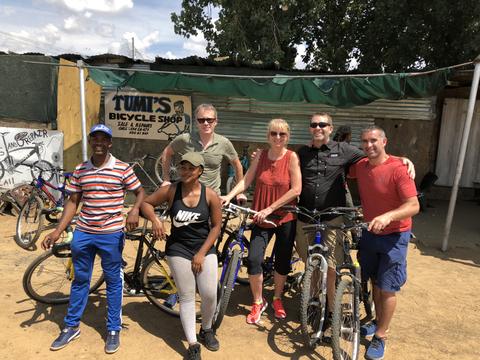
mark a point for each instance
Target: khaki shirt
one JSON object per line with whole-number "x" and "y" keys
{"x": 213, "y": 155}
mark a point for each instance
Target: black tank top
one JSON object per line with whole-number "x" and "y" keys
{"x": 190, "y": 226}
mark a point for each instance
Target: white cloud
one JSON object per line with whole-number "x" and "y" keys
{"x": 70, "y": 23}
{"x": 169, "y": 55}
{"x": 87, "y": 14}
{"x": 107, "y": 6}
{"x": 105, "y": 30}
{"x": 196, "y": 45}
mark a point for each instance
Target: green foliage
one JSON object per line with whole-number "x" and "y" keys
{"x": 373, "y": 35}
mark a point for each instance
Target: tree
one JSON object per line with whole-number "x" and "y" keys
{"x": 377, "y": 36}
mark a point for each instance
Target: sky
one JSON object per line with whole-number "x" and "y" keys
{"x": 93, "y": 27}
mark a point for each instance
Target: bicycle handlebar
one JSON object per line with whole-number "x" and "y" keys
{"x": 247, "y": 211}
{"x": 315, "y": 214}
{"x": 343, "y": 227}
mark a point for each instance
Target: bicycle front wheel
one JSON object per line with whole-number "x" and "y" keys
{"x": 346, "y": 321}
{"x": 226, "y": 288}
{"x": 312, "y": 304}
{"x": 42, "y": 167}
{"x": 48, "y": 278}
{"x": 30, "y": 222}
{"x": 242, "y": 275}
{"x": 159, "y": 286}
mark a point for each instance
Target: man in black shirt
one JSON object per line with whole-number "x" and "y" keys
{"x": 324, "y": 165}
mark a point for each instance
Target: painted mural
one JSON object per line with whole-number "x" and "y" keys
{"x": 23, "y": 152}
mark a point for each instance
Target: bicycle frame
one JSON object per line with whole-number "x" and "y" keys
{"x": 43, "y": 185}
{"x": 140, "y": 258}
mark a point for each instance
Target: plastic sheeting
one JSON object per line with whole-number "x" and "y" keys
{"x": 341, "y": 91}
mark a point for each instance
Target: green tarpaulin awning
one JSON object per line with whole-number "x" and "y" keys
{"x": 342, "y": 91}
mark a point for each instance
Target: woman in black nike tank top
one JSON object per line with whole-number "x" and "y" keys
{"x": 195, "y": 211}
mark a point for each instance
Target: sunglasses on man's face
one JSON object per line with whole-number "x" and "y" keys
{"x": 321, "y": 125}
{"x": 204, "y": 120}
{"x": 275, "y": 134}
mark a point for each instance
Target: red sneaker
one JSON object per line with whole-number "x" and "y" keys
{"x": 256, "y": 312}
{"x": 279, "y": 310}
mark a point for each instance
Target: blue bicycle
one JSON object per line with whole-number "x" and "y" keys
{"x": 234, "y": 254}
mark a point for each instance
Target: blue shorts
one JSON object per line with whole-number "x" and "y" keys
{"x": 383, "y": 258}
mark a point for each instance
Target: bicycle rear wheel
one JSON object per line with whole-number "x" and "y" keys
{"x": 30, "y": 222}
{"x": 159, "y": 170}
{"x": 312, "y": 304}
{"x": 159, "y": 286}
{"x": 346, "y": 321}
{"x": 48, "y": 278}
{"x": 226, "y": 288}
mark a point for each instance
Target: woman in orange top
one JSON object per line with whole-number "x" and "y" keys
{"x": 278, "y": 182}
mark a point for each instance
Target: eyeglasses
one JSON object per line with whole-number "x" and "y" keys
{"x": 275, "y": 134}
{"x": 204, "y": 120}
{"x": 321, "y": 125}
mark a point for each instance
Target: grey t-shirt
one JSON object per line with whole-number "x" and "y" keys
{"x": 213, "y": 155}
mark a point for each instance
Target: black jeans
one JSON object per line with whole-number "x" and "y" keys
{"x": 283, "y": 248}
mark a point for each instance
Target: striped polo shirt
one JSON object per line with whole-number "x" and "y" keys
{"x": 103, "y": 193}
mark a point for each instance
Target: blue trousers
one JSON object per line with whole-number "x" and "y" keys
{"x": 84, "y": 248}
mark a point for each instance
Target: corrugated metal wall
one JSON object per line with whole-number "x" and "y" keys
{"x": 246, "y": 119}
{"x": 453, "y": 122}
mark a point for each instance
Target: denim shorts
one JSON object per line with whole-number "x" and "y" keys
{"x": 383, "y": 258}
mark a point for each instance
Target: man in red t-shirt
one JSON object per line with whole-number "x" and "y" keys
{"x": 389, "y": 200}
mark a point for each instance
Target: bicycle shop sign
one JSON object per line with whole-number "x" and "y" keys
{"x": 146, "y": 115}
{"x": 24, "y": 150}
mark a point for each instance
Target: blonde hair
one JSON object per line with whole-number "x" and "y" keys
{"x": 278, "y": 124}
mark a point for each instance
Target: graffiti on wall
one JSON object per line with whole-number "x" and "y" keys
{"x": 147, "y": 116}
{"x": 22, "y": 151}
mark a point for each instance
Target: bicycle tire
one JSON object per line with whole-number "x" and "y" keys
{"x": 225, "y": 289}
{"x": 47, "y": 170}
{"x": 311, "y": 310}
{"x": 47, "y": 270}
{"x": 242, "y": 276}
{"x": 157, "y": 287}
{"x": 367, "y": 299}
{"x": 30, "y": 222}
{"x": 159, "y": 171}
{"x": 346, "y": 321}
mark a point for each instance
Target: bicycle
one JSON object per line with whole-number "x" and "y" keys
{"x": 48, "y": 278}
{"x": 313, "y": 298}
{"x": 139, "y": 164}
{"x": 10, "y": 165}
{"x": 351, "y": 290}
{"x": 151, "y": 274}
{"x": 41, "y": 204}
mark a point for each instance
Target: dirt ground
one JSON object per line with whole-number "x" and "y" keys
{"x": 438, "y": 313}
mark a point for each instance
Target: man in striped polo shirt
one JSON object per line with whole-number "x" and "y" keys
{"x": 100, "y": 184}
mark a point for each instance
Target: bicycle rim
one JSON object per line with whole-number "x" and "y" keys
{"x": 345, "y": 322}
{"x": 242, "y": 275}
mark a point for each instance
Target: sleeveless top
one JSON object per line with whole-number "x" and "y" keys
{"x": 272, "y": 181}
{"x": 190, "y": 226}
